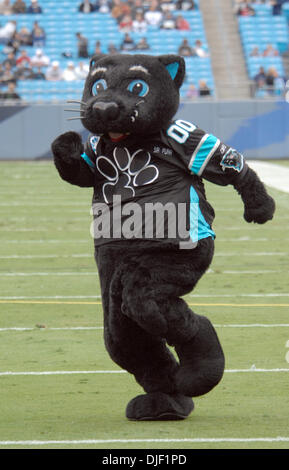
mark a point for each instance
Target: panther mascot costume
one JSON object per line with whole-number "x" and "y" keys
{"x": 138, "y": 157}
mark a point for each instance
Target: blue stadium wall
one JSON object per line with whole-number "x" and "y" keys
{"x": 259, "y": 129}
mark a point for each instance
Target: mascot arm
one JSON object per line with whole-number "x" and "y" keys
{"x": 259, "y": 205}
{"x": 228, "y": 166}
{"x": 71, "y": 161}
{"x": 207, "y": 157}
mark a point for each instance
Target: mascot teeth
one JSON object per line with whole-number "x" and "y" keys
{"x": 133, "y": 118}
{"x": 147, "y": 265}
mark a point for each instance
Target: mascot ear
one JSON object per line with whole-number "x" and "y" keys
{"x": 95, "y": 59}
{"x": 176, "y": 67}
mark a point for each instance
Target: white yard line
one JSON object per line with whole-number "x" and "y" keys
{"x": 52, "y": 297}
{"x": 254, "y": 253}
{"x": 90, "y": 255}
{"x": 95, "y": 273}
{"x": 254, "y": 325}
{"x": 236, "y": 295}
{"x": 196, "y": 440}
{"x": 65, "y": 328}
{"x": 83, "y": 297}
{"x": 43, "y": 204}
{"x": 88, "y": 239}
{"x": 64, "y": 372}
{"x": 273, "y": 175}
{"x": 27, "y": 274}
{"x": 49, "y": 240}
{"x": 47, "y": 274}
{"x": 259, "y": 271}
{"x": 253, "y": 369}
{"x": 93, "y": 328}
{"x": 43, "y": 229}
{"x": 51, "y": 256}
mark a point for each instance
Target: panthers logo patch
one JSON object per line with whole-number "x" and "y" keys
{"x": 232, "y": 159}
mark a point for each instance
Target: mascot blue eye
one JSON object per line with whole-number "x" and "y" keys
{"x": 98, "y": 86}
{"x": 138, "y": 87}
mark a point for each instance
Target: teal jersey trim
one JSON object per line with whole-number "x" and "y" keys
{"x": 88, "y": 161}
{"x": 199, "y": 227}
{"x": 203, "y": 153}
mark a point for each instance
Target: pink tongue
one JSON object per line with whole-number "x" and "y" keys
{"x": 117, "y": 137}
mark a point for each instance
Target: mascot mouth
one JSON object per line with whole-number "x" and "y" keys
{"x": 110, "y": 116}
{"x": 117, "y": 136}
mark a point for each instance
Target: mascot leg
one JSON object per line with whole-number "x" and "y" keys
{"x": 143, "y": 312}
{"x": 201, "y": 357}
{"x": 137, "y": 351}
{"x": 154, "y": 368}
{"x": 153, "y": 290}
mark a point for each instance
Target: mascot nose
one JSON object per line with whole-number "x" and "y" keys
{"x": 106, "y": 110}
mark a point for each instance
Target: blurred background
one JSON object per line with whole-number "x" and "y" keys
{"x": 236, "y": 53}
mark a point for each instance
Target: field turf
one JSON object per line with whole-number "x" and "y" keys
{"x": 51, "y": 321}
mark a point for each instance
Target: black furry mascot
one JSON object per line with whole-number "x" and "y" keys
{"x": 145, "y": 168}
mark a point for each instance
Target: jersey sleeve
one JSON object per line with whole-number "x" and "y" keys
{"x": 204, "y": 155}
{"x": 90, "y": 152}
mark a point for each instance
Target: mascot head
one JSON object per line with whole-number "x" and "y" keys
{"x": 131, "y": 94}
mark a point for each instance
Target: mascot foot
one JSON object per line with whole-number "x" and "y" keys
{"x": 159, "y": 406}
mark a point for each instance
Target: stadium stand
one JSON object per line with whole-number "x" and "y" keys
{"x": 62, "y": 20}
{"x": 259, "y": 32}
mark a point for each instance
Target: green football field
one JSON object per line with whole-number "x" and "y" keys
{"x": 58, "y": 386}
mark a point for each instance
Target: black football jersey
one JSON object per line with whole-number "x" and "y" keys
{"x": 151, "y": 188}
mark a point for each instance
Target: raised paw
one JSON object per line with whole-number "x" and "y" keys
{"x": 259, "y": 206}
{"x": 159, "y": 406}
{"x": 67, "y": 146}
{"x": 261, "y": 213}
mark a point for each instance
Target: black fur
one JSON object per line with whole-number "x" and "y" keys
{"x": 259, "y": 206}
{"x": 142, "y": 284}
{"x": 123, "y": 104}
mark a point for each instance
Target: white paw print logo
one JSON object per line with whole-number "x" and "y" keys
{"x": 126, "y": 172}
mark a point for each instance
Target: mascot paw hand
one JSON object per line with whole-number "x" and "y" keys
{"x": 261, "y": 212}
{"x": 68, "y": 147}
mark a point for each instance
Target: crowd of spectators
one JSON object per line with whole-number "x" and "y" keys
{"x": 186, "y": 50}
{"x": 119, "y": 8}
{"x": 246, "y": 7}
{"x": 8, "y": 7}
{"x": 268, "y": 83}
{"x": 137, "y": 15}
{"x": 14, "y": 39}
{"x": 20, "y": 64}
{"x": 269, "y": 51}
{"x": 202, "y": 90}
{"x": 38, "y": 67}
{"x": 132, "y": 16}
{"x": 17, "y": 63}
